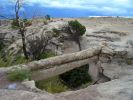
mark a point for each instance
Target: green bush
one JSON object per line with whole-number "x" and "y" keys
{"x": 27, "y": 22}
{"x": 15, "y": 24}
{"x": 18, "y": 75}
{"x": 76, "y": 77}
{"x": 20, "y": 60}
{"x": 47, "y": 17}
{"x": 56, "y": 32}
{"x": 5, "y": 62}
{"x": 52, "y": 85}
{"x": 7, "y": 59}
{"x": 47, "y": 54}
{"x": 77, "y": 29}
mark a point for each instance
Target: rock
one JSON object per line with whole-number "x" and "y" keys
{"x": 25, "y": 95}
{"x": 119, "y": 89}
{"x": 29, "y": 84}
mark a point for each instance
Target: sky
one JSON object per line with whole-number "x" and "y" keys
{"x": 74, "y": 8}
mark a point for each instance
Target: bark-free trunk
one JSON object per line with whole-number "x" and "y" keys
{"x": 57, "y": 61}
{"x": 79, "y": 44}
{"x": 57, "y": 70}
{"x": 24, "y": 43}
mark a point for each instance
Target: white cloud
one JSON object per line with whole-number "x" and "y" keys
{"x": 106, "y": 6}
{"x": 82, "y": 3}
{"x": 109, "y": 6}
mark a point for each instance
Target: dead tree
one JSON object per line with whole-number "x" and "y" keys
{"x": 37, "y": 45}
{"x": 21, "y": 25}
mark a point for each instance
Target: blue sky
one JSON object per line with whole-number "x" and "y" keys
{"x": 76, "y": 8}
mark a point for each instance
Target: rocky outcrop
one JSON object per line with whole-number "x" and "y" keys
{"x": 25, "y": 95}
{"x": 119, "y": 89}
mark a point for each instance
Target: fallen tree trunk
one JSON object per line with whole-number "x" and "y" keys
{"x": 57, "y": 70}
{"x": 56, "y": 61}
{"x": 53, "y": 66}
{"x": 67, "y": 58}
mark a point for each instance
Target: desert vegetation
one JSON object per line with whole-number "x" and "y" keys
{"x": 18, "y": 75}
{"x": 76, "y": 31}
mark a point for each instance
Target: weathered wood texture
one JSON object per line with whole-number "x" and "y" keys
{"x": 56, "y": 61}
{"x": 57, "y": 70}
{"x": 53, "y": 66}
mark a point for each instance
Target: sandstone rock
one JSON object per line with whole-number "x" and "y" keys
{"x": 29, "y": 84}
{"x": 25, "y": 95}
{"x": 119, "y": 89}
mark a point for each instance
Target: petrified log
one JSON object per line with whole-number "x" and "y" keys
{"x": 57, "y": 70}
{"x": 56, "y": 61}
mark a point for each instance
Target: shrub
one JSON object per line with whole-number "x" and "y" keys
{"x": 18, "y": 75}
{"x": 56, "y": 32}
{"x": 15, "y": 24}
{"x": 76, "y": 77}
{"x": 37, "y": 45}
{"x": 7, "y": 59}
{"x": 27, "y": 22}
{"x": 47, "y": 17}
{"x": 47, "y": 54}
{"x": 52, "y": 85}
{"x": 76, "y": 28}
{"x": 19, "y": 60}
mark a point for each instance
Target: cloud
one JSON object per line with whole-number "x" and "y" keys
{"x": 120, "y": 7}
{"x": 82, "y": 3}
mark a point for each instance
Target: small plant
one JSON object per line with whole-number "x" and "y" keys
{"x": 15, "y": 24}
{"x": 76, "y": 77}
{"x": 27, "y": 22}
{"x": 47, "y": 54}
{"x": 47, "y": 17}
{"x": 18, "y": 75}
{"x": 20, "y": 60}
{"x": 56, "y": 32}
{"x": 52, "y": 85}
{"x": 7, "y": 59}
